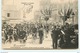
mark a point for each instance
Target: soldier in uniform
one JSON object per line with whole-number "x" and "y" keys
{"x": 15, "y": 35}
{"x": 34, "y": 33}
{"x": 22, "y": 36}
{"x": 10, "y": 33}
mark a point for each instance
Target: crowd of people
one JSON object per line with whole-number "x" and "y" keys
{"x": 62, "y": 36}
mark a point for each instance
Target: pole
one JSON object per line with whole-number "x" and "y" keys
{"x": 73, "y": 19}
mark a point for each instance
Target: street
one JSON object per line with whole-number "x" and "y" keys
{"x": 30, "y": 43}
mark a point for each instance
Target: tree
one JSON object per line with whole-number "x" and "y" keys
{"x": 65, "y": 14}
{"x": 46, "y": 9}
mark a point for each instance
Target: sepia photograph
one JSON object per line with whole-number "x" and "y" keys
{"x": 39, "y": 24}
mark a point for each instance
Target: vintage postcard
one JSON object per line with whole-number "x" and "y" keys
{"x": 39, "y": 24}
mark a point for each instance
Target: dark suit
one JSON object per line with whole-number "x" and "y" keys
{"x": 40, "y": 36}
{"x": 54, "y": 36}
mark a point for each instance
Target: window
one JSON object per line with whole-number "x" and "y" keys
{"x": 8, "y": 14}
